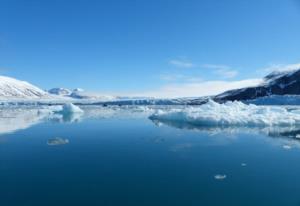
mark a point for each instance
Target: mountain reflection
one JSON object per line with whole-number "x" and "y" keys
{"x": 15, "y": 118}
{"x": 291, "y": 132}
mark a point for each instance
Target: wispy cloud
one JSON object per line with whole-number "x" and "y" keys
{"x": 181, "y": 63}
{"x": 215, "y": 66}
{"x": 200, "y": 87}
{"x": 224, "y": 71}
{"x": 191, "y": 85}
{"x": 197, "y": 89}
{"x": 180, "y": 78}
{"x": 280, "y": 67}
{"x": 171, "y": 77}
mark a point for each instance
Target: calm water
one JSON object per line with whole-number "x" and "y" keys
{"x": 123, "y": 158}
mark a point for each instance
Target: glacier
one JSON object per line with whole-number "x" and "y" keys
{"x": 230, "y": 113}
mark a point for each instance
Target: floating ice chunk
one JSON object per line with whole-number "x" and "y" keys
{"x": 230, "y": 113}
{"x": 287, "y": 147}
{"x": 220, "y": 177}
{"x": 57, "y": 141}
{"x": 70, "y": 108}
{"x": 243, "y": 164}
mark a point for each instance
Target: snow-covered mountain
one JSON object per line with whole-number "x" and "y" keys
{"x": 11, "y": 88}
{"x": 276, "y": 83}
{"x": 275, "y": 86}
{"x": 80, "y": 94}
{"x": 60, "y": 91}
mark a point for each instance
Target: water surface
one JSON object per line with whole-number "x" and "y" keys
{"x": 120, "y": 157}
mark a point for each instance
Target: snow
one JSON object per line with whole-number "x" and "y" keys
{"x": 78, "y": 90}
{"x": 286, "y": 70}
{"x": 16, "y": 91}
{"x": 230, "y": 113}
{"x": 11, "y": 88}
{"x": 60, "y": 91}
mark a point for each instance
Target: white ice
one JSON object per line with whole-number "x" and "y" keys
{"x": 230, "y": 114}
{"x": 70, "y": 108}
{"x": 57, "y": 141}
{"x": 220, "y": 177}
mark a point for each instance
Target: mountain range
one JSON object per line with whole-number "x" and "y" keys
{"x": 277, "y": 83}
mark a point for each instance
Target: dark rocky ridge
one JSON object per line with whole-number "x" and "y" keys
{"x": 276, "y": 83}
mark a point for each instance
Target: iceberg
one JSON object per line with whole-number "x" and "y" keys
{"x": 230, "y": 114}
{"x": 70, "y": 108}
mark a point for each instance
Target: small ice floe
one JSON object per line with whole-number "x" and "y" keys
{"x": 287, "y": 147}
{"x": 220, "y": 177}
{"x": 298, "y": 136}
{"x": 243, "y": 164}
{"x": 57, "y": 141}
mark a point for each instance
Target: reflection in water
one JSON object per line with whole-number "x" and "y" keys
{"x": 14, "y": 119}
{"x": 17, "y": 118}
{"x": 65, "y": 118}
{"x": 286, "y": 136}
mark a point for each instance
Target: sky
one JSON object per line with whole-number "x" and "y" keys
{"x": 162, "y": 48}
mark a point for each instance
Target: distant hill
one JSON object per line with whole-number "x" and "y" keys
{"x": 11, "y": 88}
{"x": 276, "y": 83}
{"x": 60, "y": 91}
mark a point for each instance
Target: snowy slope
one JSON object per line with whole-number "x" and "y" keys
{"x": 11, "y": 88}
{"x": 276, "y": 83}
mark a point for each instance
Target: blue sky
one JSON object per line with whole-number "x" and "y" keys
{"x": 153, "y": 47}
